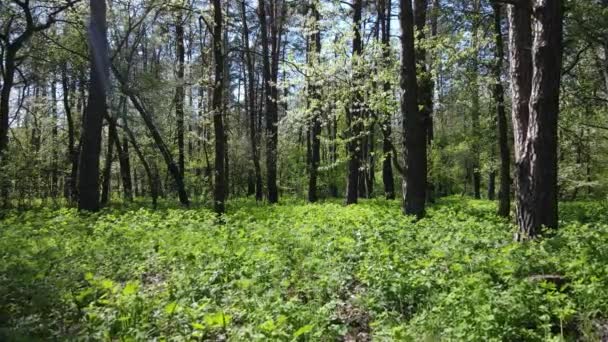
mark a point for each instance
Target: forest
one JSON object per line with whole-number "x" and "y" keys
{"x": 313, "y": 170}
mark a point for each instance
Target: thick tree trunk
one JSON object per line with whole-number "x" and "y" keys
{"x": 251, "y": 108}
{"x": 536, "y": 134}
{"x": 504, "y": 193}
{"x": 388, "y": 179}
{"x": 353, "y": 115}
{"x": 414, "y": 125}
{"x": 520, "y": 50}
{"x": 219, "y": 190}
{"x": 88, "y": 180}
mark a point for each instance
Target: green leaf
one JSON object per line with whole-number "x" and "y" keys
{"x": 217, "y": 320}
{"x": 170, "y": 308}
{"x": 131, "y": 288}
{"x": 303, "y": 330}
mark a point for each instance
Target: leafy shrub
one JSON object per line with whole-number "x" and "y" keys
{"x": 301, "y": 272}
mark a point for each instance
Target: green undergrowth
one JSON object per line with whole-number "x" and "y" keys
{"x": 302, "y": 272}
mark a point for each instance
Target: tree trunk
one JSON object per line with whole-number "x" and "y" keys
{"x": 69, "y": 90}
{"x": 219, "y": 191}
{"x": 270, "y": 66}
{"x": 251, "y": 108}
{"x": 536, "y": 134}
{"x": 314, "y": 54}
{"x": 179, "y": 91}
{"x": 414, "y": 124}
{"x": 140, "y": 155}
{"x": 353, "y": 114}
{"x": 125, "y": 169}
{"x": 388, "y": 179}
{"x": 107, "y": 170}
{"x": 88, "y": 184}
{"x": 504, "y": 193}
{"x": 475, "y": 106}
{"x": 122, "y": 150}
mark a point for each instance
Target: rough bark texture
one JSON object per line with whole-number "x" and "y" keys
{"x": 536, "y": 134}
{"x": 520, "y": 51}
{"x": 219, "y": 190}
{"x": 414, "y": 125}
{"x": 88, "y": 178}
{"x": 353, "y": 114}
{"x": 504, "y": 194}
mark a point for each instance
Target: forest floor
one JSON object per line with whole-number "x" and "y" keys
{"x": 297, "y": 271}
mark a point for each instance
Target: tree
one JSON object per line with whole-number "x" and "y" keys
{"x": 535, "y": 77}
{"x": 388, "y": 179}
{"x": 353, "y": 114}
{"x": 504, "y": 195}
{"x": 179, "y": 90}
{"x": 251, "y": 106}
{"x": 219, "y": 191}
{"x": 88, "y": 177}
{"x": 270, "y": 73}
{"x": 414, "y": 125}
{"x": 314, "y": 53}
{"x": 13, "y": 39}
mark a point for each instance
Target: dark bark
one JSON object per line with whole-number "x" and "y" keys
{"x": 314, "y": 53}
{"x": 520, "y": 59}
{"x": 504, "y": 193}
{"x": 536, "y": 134}
{"x": 388, "y": 179}
{"x": 353, "y": 116}
{"x": 425, "y": 81}
{"x": 270, "y": 73}
{"x": 219, "y": 190}
{"x": 414, "y": 124}
{"x": 125, "y": 169}
{"x": 88, "y": 178}
{"x": 251, "y": 108}
{"x": 492, "y": 185}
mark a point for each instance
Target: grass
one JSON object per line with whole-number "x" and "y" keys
{"x": 297, "y": 271}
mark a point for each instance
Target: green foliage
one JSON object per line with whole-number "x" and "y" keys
{"x": 301, "y": 272}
